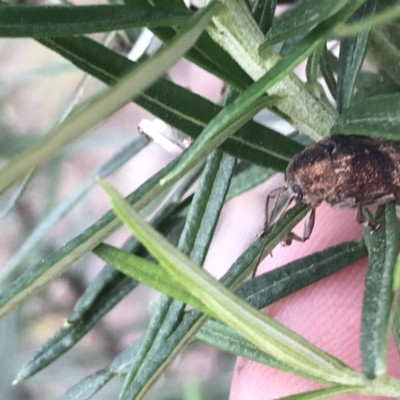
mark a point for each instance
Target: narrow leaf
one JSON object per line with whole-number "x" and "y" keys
{"x": 325, "y": 393}
{"x": 378, "y": 292}
{"x": 89, "y": 386}
{"x": 148, "y": 273}
{"x": 42, "y": 21}
{"x": 388, "y": 14}
{"x": 375, "y": 116}
{"x": 263, "y": 13}
{"x": 351, "y": 57}
{"x": 300, "y": 18}
{"x": 70, "y": 333}
{"x": 271, "y": 286}
{"x": 16, "y": 194}
{"x": 325, "y": 66}
{"x": 396, "y": 326}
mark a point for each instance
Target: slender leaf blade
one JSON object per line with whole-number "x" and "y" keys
{"x": 42, "y": 21}
{"x": 351, "y": 57}
{"x": 263, "y": 13}
{"x": 271, "y": 286}
{"x": 386, "y": 15}
{"x": 300, "y": 18}
{"x": 89, "y": 386}
{"x": 327, "y": 71}
{"x": 375, "y": 116}
{"x": 148, "y": 273}
{"x": 325, "y": 393}
{"x": 378, "y": 292}
{"x": 396, "y": 326}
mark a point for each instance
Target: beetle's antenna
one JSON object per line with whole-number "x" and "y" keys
{"x": 276, "y": 194}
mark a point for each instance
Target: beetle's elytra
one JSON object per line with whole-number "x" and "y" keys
{"x": 346, "y": 171}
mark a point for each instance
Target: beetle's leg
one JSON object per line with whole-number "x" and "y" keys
{"x": 309, "y": 222}
{"x": 362, "y": 220}
{"x": 275, "y": 194}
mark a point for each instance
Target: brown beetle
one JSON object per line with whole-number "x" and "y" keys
{"x": 346, "y": 171}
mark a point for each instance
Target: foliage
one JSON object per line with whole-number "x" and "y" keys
{"x": 254, "y": 54}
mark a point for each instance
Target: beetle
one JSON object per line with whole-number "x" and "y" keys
{"x": 346, "y": 171}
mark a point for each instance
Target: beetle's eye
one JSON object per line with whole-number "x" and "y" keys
{"x": 297, "y": 190}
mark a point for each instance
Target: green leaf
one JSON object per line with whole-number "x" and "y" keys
{"x": 325, "y": 393}
{"x": 206, "y": 206}
{"x": 319, "y": 34}
{"x": 260, "y": 329}
{"x": 263, "y": 13}
{"x": 108, "y": 102}
{"x": 388, "y": 14}
{"x": 351, "y": 57}
{"x": 227, "y": 339}
{"x": 300, "y": 18}
{"x": 396, "y": 274}
{"x": 155, "y": 355}
{"x": 224, "y": 337}
{"x": 325, "y": 66}
{"x": 396, "y": 326}
{"x": 312, "y": 67}
{"x": 89, "y": 386}
{"x": 271, "y": 286}
{"x": 384, "y": 47}
{"x": 177, "y": 106}
{"x": 70, "y": 333}
{"x": 42, "y": 21}
{"x": 375, "y": 116}
{"x": 17, "y": 193}
{"x": 148, "y": 273}
{"x": 378, "y": 292}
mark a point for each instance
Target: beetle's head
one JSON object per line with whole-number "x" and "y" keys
{"x": 310, "y": 176}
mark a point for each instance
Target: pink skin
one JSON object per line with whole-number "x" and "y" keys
{"x": 326, "y": 313}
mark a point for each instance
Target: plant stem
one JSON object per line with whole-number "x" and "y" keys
{"x": 235, "y": 30}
